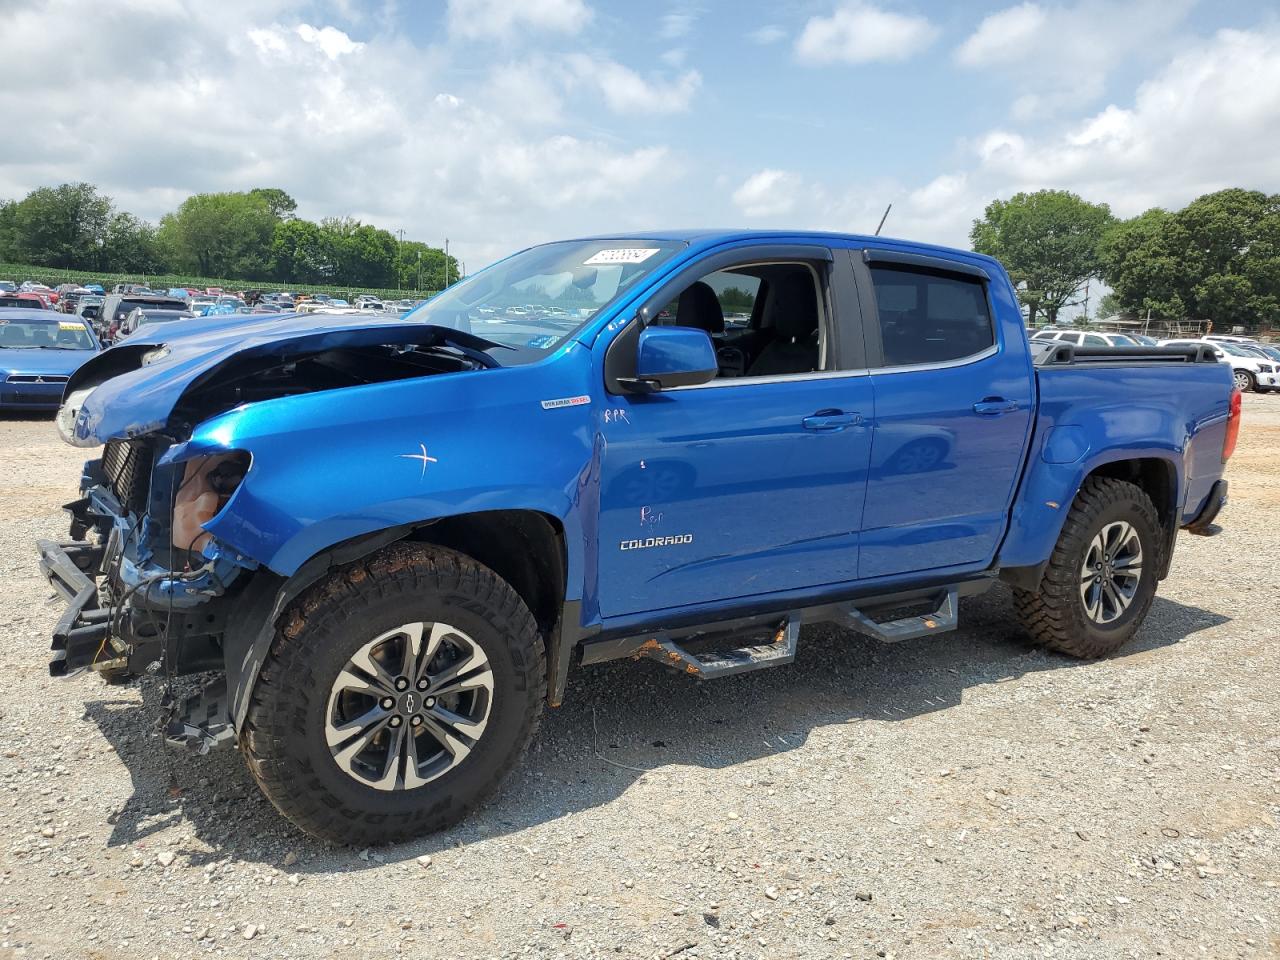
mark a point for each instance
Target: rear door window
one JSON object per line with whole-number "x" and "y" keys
{"x": 929, "y": 316}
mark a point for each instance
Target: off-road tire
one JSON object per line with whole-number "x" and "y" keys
{"x": 283, "y": 736}
{"x": 1054, "y": 614}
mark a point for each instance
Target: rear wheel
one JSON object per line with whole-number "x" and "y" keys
{"x": 1245, "y": 381}
{"x": 396, "y": 696}
{"x": 1101, "y": 578}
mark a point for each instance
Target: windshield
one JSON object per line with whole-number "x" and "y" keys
{"x": 44, "y": 335}
{"x": 533, "y": 301}
{"x": 1236, "y": 350}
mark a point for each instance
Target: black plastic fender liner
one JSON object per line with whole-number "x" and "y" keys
{"x": 251, "y": 625}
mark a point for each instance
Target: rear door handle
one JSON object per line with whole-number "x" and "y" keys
{"x": 994, "y": 406}
{"x": 831, "y": 420}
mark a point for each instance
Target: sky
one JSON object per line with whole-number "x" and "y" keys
{"x": 499, "y": 123}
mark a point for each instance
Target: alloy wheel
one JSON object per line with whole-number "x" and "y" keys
{"x": 1111, "y": 572}
{"x": 409, "y": 706}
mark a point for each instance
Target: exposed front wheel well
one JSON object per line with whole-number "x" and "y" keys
{"x": 523, "y": 547}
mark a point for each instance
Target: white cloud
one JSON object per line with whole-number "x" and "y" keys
{"x": 484, "y": 19}
{"x": 769, "y": 193}
{"x": 1059, "y": 57}
{"x": 330, "y": 40}
{"x": 1003, "y": 36}
{"x": 626, "y": 91}
{"x": 858, "y": 32}
{"x": 372, "y": 127}
{"x": 770, "y": 33}
{"x": 677, "y": 24}
{"x": 1208, "y": 119}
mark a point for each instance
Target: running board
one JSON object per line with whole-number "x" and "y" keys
{"x": 725, "y": 663}
{"x": 945, "y": 617}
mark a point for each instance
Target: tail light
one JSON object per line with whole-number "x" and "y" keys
{"x": 1233, "y": 427}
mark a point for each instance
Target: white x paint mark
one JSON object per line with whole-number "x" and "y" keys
{"x": 420, "y": 456}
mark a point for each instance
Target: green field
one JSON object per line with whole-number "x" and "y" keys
{"x": 53, "y": 276}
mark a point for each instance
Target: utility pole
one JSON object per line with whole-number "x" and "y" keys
{"x": 446, "y": 263}
{"x": 418, "y": 288}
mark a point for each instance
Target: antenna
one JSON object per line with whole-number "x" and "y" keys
{"x": 883, "y": 219}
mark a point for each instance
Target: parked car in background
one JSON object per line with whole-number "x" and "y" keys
{"x": 39, "y": 350}
{"x": 144, "y": 316}
{"x": 8, "y": 286}
{"x": 89, "y": 306}
{"x": 116, "y": 307}
{"x": 96, "y": 288}
{"x": 30, "y": 301}
{"x": 1078, "y": 337}
{"x": 200, "y": 303}
{"x": 1251, "y": 370}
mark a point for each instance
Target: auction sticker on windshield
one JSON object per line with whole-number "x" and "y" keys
{"x": 620, "y": 255}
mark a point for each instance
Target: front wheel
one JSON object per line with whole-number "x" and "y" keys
{"x": 1245, "y": 381}
{"x": 398, "y": 693}
{"x": 1101, "y": 578}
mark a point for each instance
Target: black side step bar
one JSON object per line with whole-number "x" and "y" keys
{"x": 666, "y": 646}
{"x": 724, "y": 663}
{"x": 946, "y": 616}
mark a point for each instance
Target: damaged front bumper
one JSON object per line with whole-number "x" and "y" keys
{"x": 127, "y": 612}
{"x": 84, "y": 629}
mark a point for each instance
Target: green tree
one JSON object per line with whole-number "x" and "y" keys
{"x": 221, "y": 235}
{"x": 129, "y": 245}
{"x": 1048, "y": 241}
{"x": 301, "y": 253}
{"x": 422, "y": 267}
{"x": 8, "y": 231}
{"x": 281, "y": 205}
{"x": 1216, "y": 259}
{"x": 1109, "y": 305}
{"x": 61, "y": 226}
{"x": 363, "y": 255}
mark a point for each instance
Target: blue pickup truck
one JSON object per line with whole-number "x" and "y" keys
{"x": 389, "y": 541}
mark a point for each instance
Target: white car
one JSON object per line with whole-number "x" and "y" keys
{"x": 1252, "y": 371}
{"x": 1080, "y": 338}
{"x": 1087, "y": 338}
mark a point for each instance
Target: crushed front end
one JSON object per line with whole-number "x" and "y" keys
{"x": 148, "y": 590}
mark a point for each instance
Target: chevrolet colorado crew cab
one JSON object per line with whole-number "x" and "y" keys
{"x": 389, "y": 540}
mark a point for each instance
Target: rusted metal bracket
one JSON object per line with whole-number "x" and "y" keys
{"x": 723, "y": 663}
{"x": 945, "y": 617}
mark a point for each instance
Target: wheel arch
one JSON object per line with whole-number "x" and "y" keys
{"x": 527, "y": 548}
{"x": 1156, "y": 473}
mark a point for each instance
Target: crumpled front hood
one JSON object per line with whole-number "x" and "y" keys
{"x": 130, "y": 397}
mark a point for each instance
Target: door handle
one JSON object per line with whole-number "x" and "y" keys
{"x": 831, "y": 420}
{"x": 994, "y": 406}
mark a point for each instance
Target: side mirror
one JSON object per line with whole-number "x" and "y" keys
{"x": 669, "y": 357}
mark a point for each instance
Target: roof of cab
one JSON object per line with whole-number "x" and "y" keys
{"x": 713, "y": 236}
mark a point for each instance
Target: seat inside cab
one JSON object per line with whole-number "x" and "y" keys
{"x": 765, "y": 319}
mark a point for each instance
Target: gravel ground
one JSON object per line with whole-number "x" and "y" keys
{"x": 962, "y": 796}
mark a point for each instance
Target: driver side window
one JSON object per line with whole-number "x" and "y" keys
{"x": 765, "y": 320}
